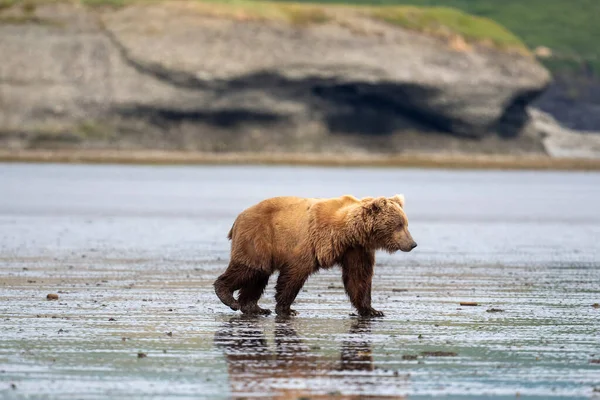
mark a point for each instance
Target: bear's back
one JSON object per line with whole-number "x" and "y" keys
{"x": 279, "y": 230}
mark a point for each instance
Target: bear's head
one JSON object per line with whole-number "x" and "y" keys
{"x": 387, "y": 224}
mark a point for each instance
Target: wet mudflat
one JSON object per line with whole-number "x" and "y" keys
{"x": 132, "y": 252}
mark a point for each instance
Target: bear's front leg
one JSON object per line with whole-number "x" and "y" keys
{"x": 357, "y": 274}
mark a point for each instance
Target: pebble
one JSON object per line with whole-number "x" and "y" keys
{"x": 439, "y": 354}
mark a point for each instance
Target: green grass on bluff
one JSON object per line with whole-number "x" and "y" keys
{"x": 570, "y": 29}
{"x": 437, "y": 21}
{"x": 444, "y": 20}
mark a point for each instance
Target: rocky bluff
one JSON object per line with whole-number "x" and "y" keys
{"x": 187, "y": 76}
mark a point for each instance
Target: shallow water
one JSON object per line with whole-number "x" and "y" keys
{"x": 132, "y": 252}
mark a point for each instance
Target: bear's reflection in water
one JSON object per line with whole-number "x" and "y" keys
{"x": 292, "y": 370}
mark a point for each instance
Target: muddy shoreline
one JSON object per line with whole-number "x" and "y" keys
{"x": 421, "y": 160}
{"x": 132, "y": 251}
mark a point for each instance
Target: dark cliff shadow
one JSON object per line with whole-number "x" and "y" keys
{"x": 573, "y": 98}
{"x": 350, "y": 108}
{"x": 515, "y": 116}
{"x": 376, "y": 109}
{"x": 345, "y": 107}
{"x": 256, "y": 367}
{"x": 230, "y": 118}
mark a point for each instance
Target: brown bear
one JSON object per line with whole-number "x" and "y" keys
{"x": 298, "y": 236}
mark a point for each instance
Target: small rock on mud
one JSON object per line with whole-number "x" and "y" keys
{"x": 438, "y": 354}
{"x": 52, "y": 296}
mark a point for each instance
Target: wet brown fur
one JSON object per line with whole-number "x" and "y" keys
{"x": 298, "y": 236}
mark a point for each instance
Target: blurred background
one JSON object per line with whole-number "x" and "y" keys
{"x": 345, "y": 77}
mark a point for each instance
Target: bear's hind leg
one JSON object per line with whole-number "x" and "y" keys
{"x": 251, "y": 292}
{"x": 288, "y": 286}
{"x": 231, "y": 280}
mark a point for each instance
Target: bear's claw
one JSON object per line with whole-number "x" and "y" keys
{"x": 371, "y": 312}
{"x": 255, "y": 310}
{"x": 286, "y": 313}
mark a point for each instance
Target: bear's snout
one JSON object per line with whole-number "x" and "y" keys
{"x": 408, "y": 248}
{"x": 405, "y": 241}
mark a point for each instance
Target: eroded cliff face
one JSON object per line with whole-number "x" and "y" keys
{"x": 171, "y": 76}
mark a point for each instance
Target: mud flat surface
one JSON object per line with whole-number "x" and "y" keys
{"x": 132, "y": 252}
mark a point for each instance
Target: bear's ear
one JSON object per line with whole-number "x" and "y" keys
{"x": 375, "y": 205}
{"x": 399, "y": 199}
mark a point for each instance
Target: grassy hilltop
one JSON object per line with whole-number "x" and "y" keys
{"x": 437, "y": 21}
{"x": 570, "y": 28}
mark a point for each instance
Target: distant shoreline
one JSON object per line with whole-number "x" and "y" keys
{"x": 159, "y": 157}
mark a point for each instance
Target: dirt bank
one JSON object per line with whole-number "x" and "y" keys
{"x": 423, "y": 160}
